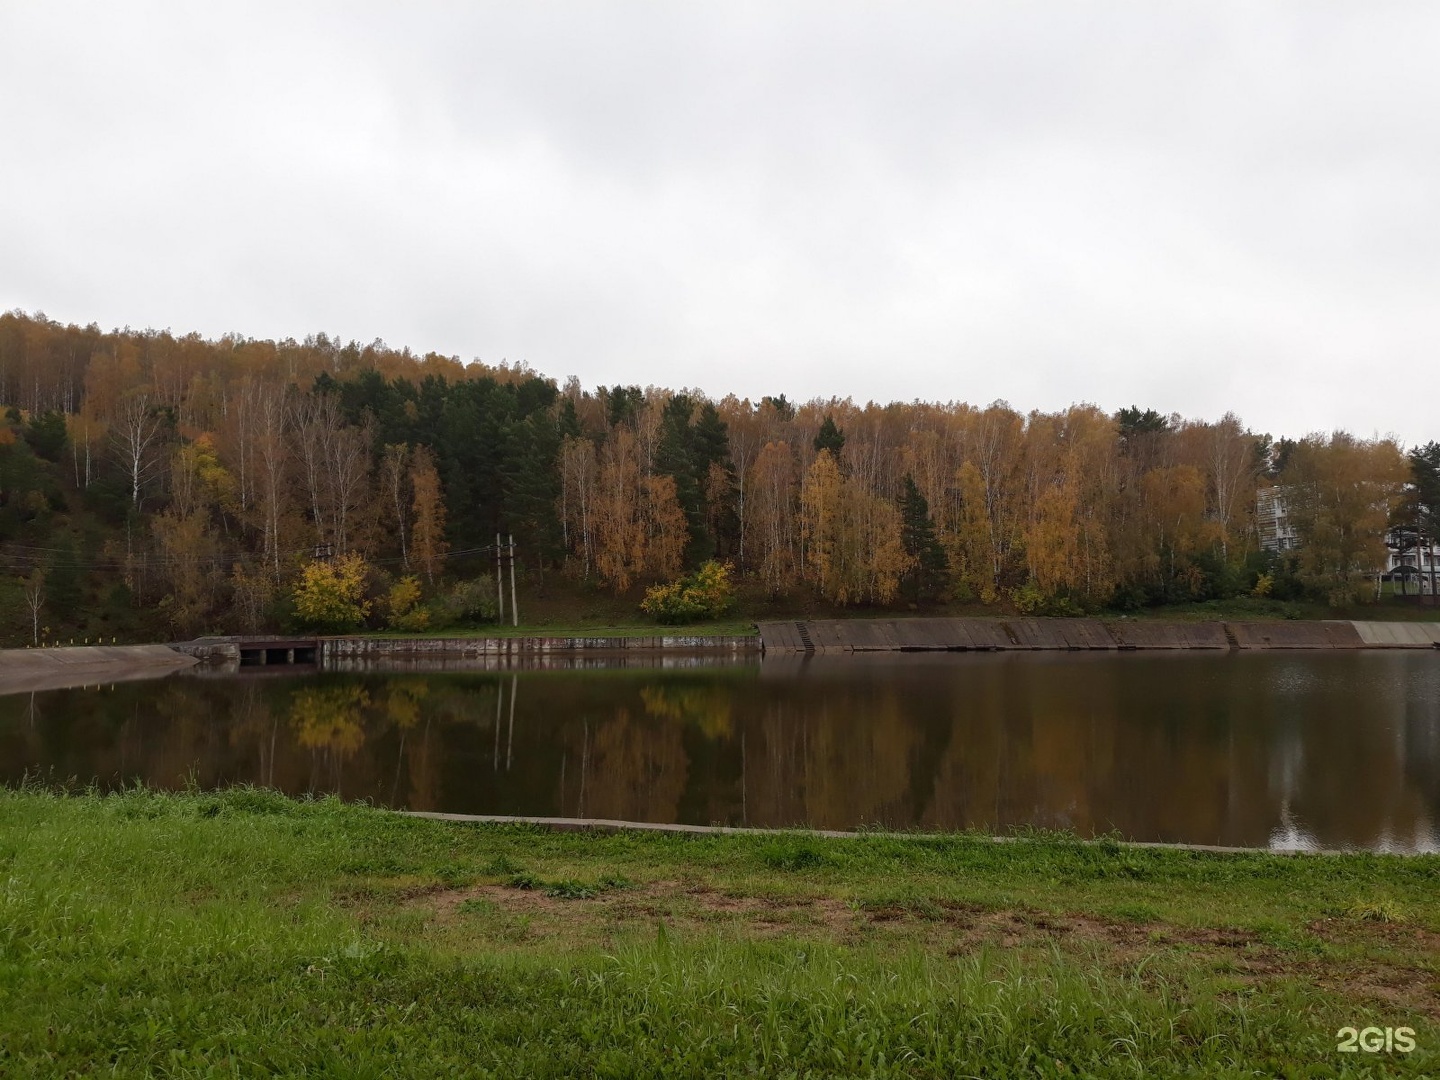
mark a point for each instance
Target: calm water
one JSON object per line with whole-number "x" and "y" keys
{"x": 1263, "y": 749}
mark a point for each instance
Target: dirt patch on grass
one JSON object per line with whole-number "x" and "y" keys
{"x": 952, "y": 928}
{"x": 663, "y": 901}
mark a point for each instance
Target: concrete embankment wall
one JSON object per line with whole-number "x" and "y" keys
{"x": 998, "y": 635}
{"x": 434, "y": 654}
{"x": 25, "y": 670}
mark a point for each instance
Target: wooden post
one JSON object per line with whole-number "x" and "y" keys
{"x": 514, "y": 608}
{"x": 499, "y": 582}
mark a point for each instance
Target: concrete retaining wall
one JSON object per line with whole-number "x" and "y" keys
{"x": 440, "y": 654}
{"x": 965, "y": 635}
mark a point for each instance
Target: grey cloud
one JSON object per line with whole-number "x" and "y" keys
{"x": 1199, "y": 207}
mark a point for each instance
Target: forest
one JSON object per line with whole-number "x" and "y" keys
{"x": 155, "y": 485}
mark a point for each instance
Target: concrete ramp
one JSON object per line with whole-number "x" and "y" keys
{"x": 28, "y": 670}
{"x": 1399, "y": 635}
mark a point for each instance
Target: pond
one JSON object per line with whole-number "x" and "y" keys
{"x": 1253, "y": 749}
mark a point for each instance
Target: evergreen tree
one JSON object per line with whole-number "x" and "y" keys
{"x": 567, "y": 423}
{"x": 622, "y": 403}
{"x": 675, "y": 457}
{"x": 1425, "y": 475}
{"x": 929, "y": 568}
{"x": 64, "y": 584}
{"x": 830, "y": 438}
{"x": 719, "y": 483}
{"x": 694, "y": 450}
{"x": 784, "y": 410}
{"x": 46, "y": 434}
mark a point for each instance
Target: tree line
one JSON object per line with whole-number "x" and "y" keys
{"x": 196, "y": 479}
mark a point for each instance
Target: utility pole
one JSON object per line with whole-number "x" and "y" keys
{"x": 514, "y": 608}
{"x": 499, "y": 581}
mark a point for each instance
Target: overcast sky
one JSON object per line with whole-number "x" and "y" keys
{"x": 1193, "y": 207}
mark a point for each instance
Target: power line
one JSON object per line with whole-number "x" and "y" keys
{"x": 34, "y": 557}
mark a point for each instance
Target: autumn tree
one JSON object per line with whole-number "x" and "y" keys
{"x": 640, "y": 527}
{"x": 773, "y": 506}
{"x": 578, "y": 471}
{"x": 395, "y": 480}
{"x": 428, "y": 510}
{"x": 330, "y": 595}
{"x": 853, "y": 551}
{"x": 137, "y": 429}
{"x": 199, "y": 487}
{"x": 35, "y": 601}
{"x": 1340, "y": 492}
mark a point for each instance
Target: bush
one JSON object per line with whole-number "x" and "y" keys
{"x": 1030, "y": 600}
{"x": 330, "y": 596}
{"x": 705, "y": 594}
{"x": 402, "y": 605}
{"x": 469, "y": 603}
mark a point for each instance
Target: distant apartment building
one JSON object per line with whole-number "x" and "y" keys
{"x": 1272, "y": 519}
{"x": 1418, "y": 567}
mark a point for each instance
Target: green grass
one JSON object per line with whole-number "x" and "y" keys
{"x": 247, "y": 934}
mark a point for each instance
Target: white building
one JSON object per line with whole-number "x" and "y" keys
{"x": 1272, "y": 520}
{"x": 1425, "y": 560}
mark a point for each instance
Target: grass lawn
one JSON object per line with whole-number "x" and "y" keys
{"x": 247, "y": 934}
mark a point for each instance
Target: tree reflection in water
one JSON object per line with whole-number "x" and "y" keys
{"x": 1248, "y": 749}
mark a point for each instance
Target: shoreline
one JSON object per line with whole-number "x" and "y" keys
{"x": 612, "y": 825}
{"x": 61, "y": 667}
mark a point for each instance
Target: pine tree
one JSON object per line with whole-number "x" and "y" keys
{"x": 830, "y": 438}
{"x": 929, "y": 567}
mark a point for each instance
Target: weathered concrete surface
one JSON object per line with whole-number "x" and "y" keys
{"x": 1144, "y": 634}
{"x": 437, "y": 654}
{"x": 1296, "y": 635}
{"x": 1398, "y": 635}
{"x": 27, "y": 670}
{"x": 214, "y": 650}
{"x": 964, "y": 635}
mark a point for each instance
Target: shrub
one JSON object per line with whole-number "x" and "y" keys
{"x": 330, "y": 596}
{"x": 402, "y": 604}
{"x": 467, "y": 604}
{"x": 1029, "y": 599}
{"x": 705, "y": 594}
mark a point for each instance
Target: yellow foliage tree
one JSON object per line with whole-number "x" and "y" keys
{"x": 427, "y": 531}
{"x": 853, "y": 547}
{"x": 1340, "y": 491}
{"x": 640, "y": 529}
{"x": 330, "y": 596}
{"x": 402, "y": 605}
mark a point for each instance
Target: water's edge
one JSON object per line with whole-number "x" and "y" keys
{"x": 609, "y": 825}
